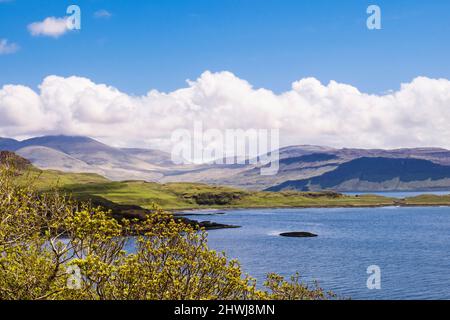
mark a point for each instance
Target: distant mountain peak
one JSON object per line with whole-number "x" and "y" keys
{"x": 299, "y": 166}
{"x": 8, "y": 144}
{"x": 62, "y": 138}
{"x": 8, "y": 139}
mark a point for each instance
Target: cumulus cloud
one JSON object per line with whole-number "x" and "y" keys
{"x": 7, "y": 47}
{"x": 51, "y": 27}
{"x": 333, "y": 114}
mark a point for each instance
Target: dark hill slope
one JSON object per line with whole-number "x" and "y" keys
{"x": 377, "y": 171}
{"x": 8, "y": 144}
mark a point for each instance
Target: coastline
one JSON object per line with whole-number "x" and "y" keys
{"x": 208, "y": 225}
{"x": 177, "y": 212}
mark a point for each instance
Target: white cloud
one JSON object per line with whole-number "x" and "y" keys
{"x": 7, "y": 48}
{"x": 51, "y": 27}
{"x": 102, "y": 14}
{"x": 418, "y": 114}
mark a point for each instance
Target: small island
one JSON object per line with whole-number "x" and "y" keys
{"x": 298, "y": 234}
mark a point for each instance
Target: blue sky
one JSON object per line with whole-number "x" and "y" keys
{"x": 158, "y": 44}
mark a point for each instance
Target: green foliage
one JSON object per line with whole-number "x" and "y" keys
{"x": 215, "y": 198}
{"x": 280, "y": 289}
{"x": 173, "y": 196}
{"x": 46, "y": 237}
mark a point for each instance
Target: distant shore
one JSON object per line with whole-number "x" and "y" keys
{"x": 188, "y": 211}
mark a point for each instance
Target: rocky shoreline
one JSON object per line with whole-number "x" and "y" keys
{"x": 130, "y": 212}
{"x": 136, "y": 212}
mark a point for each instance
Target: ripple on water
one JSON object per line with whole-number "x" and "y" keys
{"x": 410, "y": 244}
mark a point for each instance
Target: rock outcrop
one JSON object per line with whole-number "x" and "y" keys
{"x": 298, "y": 234}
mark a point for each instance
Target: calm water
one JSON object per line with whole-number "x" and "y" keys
{"x": 411, "y": 246}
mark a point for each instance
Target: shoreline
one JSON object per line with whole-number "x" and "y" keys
{"x": 177, "y": 212}
{"x": 220, "y": 211}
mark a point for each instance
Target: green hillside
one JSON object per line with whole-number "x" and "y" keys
{"x": 189, "y": 195}
{"x": 176, "y": 196}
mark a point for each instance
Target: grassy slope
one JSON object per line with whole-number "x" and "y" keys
{"x": 190, "y": 195}
{"x": 426, "y": 199}
{"x": 194, "y": 195}
{"x": 45, "y": 179}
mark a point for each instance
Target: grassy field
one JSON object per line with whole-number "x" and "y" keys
{"x": 177, "y": 196}
{"x": 427, "y": 199}
{"x": 190, "y": 195}
{"x": 45, "y": 179}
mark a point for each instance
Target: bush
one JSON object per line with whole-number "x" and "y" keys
{"x": 215, "y": 198}
{"x": 54, "y": 248}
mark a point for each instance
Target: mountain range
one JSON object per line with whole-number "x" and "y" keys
{"x": 302, "y": 167}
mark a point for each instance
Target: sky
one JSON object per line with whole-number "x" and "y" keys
{"x": 137, "y": 70}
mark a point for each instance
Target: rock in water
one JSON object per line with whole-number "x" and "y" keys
{"x": 298, "y": 234}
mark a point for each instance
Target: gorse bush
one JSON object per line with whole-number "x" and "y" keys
{"x": 54, "y": 248}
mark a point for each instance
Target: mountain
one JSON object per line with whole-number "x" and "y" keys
{"x": 376, "y": 174}
{"x": 8, "y": 144}
{"x": 305, "y": 162}
{"x": 89, "y": 151}
{"x": 82, "y": 154}
{"x": 301, "y": 150}
{"x": 44, "y": 157}
{"x": 156, "y": 157}
{"x": 249, "y": 177}
{"x": 300, "y": 167}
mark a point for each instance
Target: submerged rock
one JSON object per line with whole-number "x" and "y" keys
{"x": 208, "y": 225}
{"x": 298, "y": 234}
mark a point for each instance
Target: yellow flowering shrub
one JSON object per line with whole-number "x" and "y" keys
{"x": 54, "y": 248}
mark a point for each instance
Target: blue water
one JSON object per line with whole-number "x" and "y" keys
{"x": 411, "y": 245}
